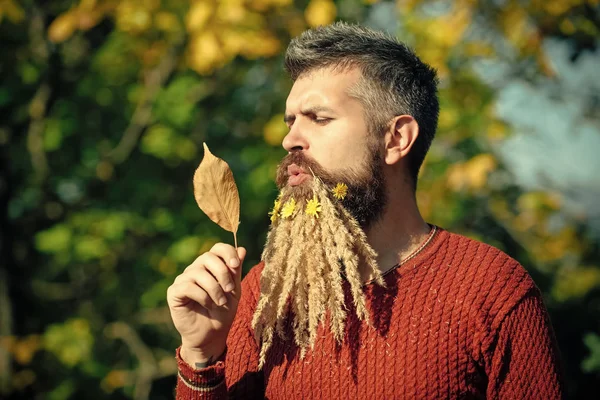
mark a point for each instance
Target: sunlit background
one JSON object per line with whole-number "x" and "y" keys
{"x": 104, "y": 106}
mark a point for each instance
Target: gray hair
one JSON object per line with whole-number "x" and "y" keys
{"x": 394, "y": 80}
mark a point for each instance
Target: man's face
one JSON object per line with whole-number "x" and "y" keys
{"x": 327, "y": 124}
{"x": 329, "y": 138}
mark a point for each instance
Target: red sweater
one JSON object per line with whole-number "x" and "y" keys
{"x": 460, "y": 320}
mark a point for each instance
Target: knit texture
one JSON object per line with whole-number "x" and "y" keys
{"x": 460, "y": 320}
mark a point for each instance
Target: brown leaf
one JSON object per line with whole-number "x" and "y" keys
{"x": 216, "y": 193}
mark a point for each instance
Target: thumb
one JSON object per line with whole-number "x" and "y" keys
{"x": 241, "y": 251}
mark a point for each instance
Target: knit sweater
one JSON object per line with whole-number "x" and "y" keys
{"x": 461, "y": 319}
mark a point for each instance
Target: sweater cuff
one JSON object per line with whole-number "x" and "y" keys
{"x": 201, "y": 380}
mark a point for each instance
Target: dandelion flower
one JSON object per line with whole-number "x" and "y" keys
{"x": 288, "y": 208}
{"x": 276, "y": 209}
{"x": 313, "y": 207}
{"x": 340, "y": 191}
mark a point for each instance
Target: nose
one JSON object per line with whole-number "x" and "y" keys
{"x": 295, "y": 139}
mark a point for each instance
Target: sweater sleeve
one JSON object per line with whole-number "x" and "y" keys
{"x": 524, "y": 360}
{"x": 237, "y": 376}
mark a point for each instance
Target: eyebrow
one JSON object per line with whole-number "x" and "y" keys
{"x": 307, "y": 111}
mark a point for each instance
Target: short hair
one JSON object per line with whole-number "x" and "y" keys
{"x": 394, "y": 80}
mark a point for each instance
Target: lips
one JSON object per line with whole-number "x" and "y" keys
{"x": 297, "y": 175}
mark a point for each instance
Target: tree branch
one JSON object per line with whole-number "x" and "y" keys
{"x": 155, "y": 80}
{"x": 148, "y": 368}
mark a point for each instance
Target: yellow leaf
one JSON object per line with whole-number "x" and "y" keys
{"x": 448, "y": 30}
{"x": 13, "y": 11}
{"x": 275, "y": 130}
{"x": 132, "y": 17}
{"x": 320, "y": 12}
{"x": 216, "y": 193}
{"x": 205, "y": 52}
{"x": 62, "y": 27}
{"x": 198, "y": 15}
{"x": 516, "y": 25}
{"x": 25, "y": 349}
{"x": 448, "y": 118}
{"x": 234, "y": 41}
{"x": 479, "y": 49}
{"x": 471, "y": 174}
{"x": 231, "y": 11}
{"x": 260, "y": 44}
{"x": 496, "y": 130}
{"x": 557, "y": 7}
{"x": 116, "y": 379}
{"x": 166, "y": 21}
{"x": 575, "y": 282}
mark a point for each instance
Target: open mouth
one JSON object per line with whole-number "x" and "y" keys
{"x": 296, "y": 175}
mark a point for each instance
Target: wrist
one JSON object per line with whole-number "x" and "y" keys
{"x": 201, "y": 358}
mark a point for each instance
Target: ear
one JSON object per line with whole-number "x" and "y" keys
{"x": 400, "y": 137}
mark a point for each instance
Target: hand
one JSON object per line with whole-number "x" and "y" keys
{"x": 203, "y": 301}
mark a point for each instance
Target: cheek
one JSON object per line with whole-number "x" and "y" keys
{"x": 343, "y": 147}
{"x": 344, "y": 156}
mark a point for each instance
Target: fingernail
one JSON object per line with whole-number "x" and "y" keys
{"x": 234, "y": 262}
{"x": 221, "y": 301}
{"x": 229, "y": 287}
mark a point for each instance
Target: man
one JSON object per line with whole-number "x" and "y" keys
{"x": 356, "y": 295}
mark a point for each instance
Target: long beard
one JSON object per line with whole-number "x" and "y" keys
{"x": 306, "y": 252}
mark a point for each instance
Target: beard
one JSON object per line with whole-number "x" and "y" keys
{"x": 366, "y": 197}
{"x": 316, "y": 238}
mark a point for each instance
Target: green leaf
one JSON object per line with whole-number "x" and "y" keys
{"x": 70, "y": 342}
{"x": 54, "y": 240}
{"x": 592, "y": 362}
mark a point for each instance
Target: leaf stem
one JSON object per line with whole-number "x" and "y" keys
{"x": 235, "y": 240}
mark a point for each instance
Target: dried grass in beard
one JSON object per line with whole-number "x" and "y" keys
{"x": 316, "y": 285}
{"x": 272, "y": 276}
{"x": 300, "y": 302}
{"x": 335, "y": 297}
{"x": 345, "y": 251}
{"x": 271, "y": 317}
{"x": 367, "y": 253}
{"x": 292, "y": 261}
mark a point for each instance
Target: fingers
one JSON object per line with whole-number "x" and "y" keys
{"x": 203, "y": 280}
{"x": 180, "y": 293}
{"x": 228, "y": 254}
{"x": 215, "y": 266}
{"x": 210, "y": 277}
{"x": 207, "y": 282}
{"x": 232, "y": 258}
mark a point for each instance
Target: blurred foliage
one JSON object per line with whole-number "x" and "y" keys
{"x": 105, "y": 105}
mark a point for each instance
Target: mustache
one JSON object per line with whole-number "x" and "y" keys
{"x": 303, "y": 161}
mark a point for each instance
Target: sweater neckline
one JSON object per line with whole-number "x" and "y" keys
{"x": 429, "y": 246}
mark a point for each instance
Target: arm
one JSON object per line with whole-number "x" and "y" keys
{"x": 236, "y": 373}
{"x": 523, "y": 361}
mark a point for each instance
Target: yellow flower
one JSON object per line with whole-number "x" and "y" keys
{"x": 275, "y": 211}
{"x": 340, "y": 191}
{"x": 313, "y": 207}
{"x": 288, "y": 208}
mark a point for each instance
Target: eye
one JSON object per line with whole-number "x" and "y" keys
{"x": 321, "y": 120}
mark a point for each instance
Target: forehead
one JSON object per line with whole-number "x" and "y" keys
{"x": 325, "y": 86}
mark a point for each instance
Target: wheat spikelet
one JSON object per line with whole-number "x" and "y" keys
{"x": 367, "y": 253}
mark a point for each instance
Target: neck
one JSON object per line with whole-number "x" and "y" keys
{"x": 398, "y": 233}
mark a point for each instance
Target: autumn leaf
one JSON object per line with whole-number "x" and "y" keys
{"x": 216, "y": 193}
